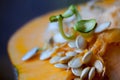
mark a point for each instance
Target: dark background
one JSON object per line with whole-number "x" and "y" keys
{"x": 15, "y": 13}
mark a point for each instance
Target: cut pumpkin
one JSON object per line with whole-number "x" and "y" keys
{"x": 32, "y": 35}
{"x": 29, "y": 36}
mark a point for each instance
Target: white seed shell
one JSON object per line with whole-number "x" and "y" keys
{"x": 102, "y": 27}
{"x": 81, "y": 42}
{"x": 30, "y": 54}
{"x": 72, "y": 44}
{"x": 78, "y": 50}
{"x": 91, "y": 73}
{"x": 99, "y": 66}
{"x": 71, "y": 53}
{"x": 77, "y": 79}
{"x": 70, "y": 19}
{"x": 48, "y": 53}
{"x": 87, "y": 57}
{"x": 53, "y": 27}
{"x": 58, "y": 38}
{"x": 64, "y": 59}
{"x": 55, "y": 59}
{"x": 85, "y": 73}
{"x": 75, "y": 63}
{"x": 60, "y": 65}
{"x": 76, "y": 71}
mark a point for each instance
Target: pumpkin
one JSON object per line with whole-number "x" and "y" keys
{"x": 32, "y": 35}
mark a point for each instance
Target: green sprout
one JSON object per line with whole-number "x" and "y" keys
{"x": 53, "y": 18}
{"x": 59, "y": 19}
{"x": 82, "y": 26}
{"x": 60, "y": 22}
{"x": 72, "y": 10}
{"x": 85, "y": 26}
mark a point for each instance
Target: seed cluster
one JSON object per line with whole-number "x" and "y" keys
{"x": 71, "y": 52}
{"x": 74, "y": 56}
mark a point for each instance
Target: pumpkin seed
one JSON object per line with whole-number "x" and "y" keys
{"x": 48, "y": 53}
{"x": 60, "y": 65}
{"x": 71, "y": 53}
{"x": 102, "y": 27}
{"x": 78, "y": 50}
{"x": 77, "y": 79}
{"x": 86, "y": 58}
{"x": 81, "y": 42}
{"x": 55, "y": 59}
{"x": 30, "y": 54}
{"x": 99, "y": 66}
{"x": 65, "y": 59}
{"x": 76, "y": 71}
{"x": 75, "y": 63}
{"x": 72, "y": 44}
{"x": 84, "y": 73}
{"x": 91, "y": 73}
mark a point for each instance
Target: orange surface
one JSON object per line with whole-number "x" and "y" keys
{"x": 29, "y": 36}
{"x": 112, "y": 61}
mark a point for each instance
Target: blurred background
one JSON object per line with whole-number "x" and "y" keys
{"x": 14, "y": 14}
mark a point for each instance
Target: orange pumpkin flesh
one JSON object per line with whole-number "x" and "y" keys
{"x": 31, "y": 35}
{"x": 112, "y": 58}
